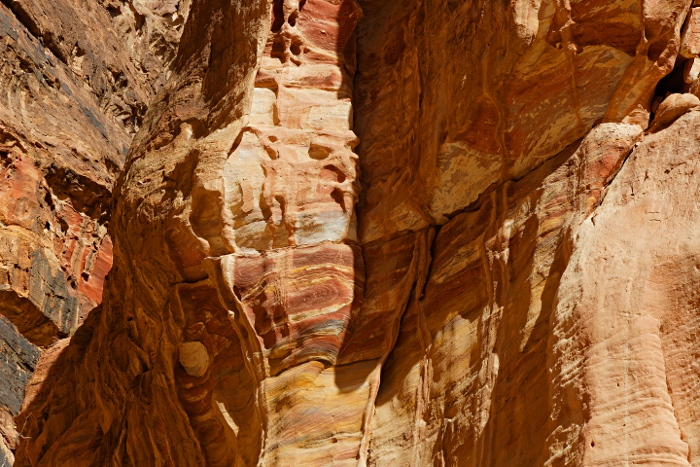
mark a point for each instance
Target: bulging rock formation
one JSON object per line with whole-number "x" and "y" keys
{"x": 362, "y": 233}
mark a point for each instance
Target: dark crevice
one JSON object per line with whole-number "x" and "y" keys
{"x": 295, "y": 48}
{"x": 140, "y": 19}
{"x": 24, "y": 18}
{"x": 433, "y": 252}
{"x": 335, "y": 173}
{"x": 236, "y": 142}
{"x": 338, "y": 197}
{"x": 318, "y": 152}
{"x": 113, "y": 11}
{"x": 45, "y": 38}
{"x": 277, "y": 16}
{"x": 672, "y": 82}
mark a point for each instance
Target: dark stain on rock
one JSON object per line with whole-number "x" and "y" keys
{"x": 18, "y": 358}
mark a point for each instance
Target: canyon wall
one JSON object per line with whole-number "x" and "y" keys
{"x": 77, "y": 77}
{"x": 357, "y": 233}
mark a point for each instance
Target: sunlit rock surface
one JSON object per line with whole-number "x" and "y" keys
{"x": 385, "y": 233}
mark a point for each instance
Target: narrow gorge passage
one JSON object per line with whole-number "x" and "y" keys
{"x": 386, "y": 233}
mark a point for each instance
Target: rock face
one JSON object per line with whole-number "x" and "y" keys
{"x": 396, "y": 233}
{"x": 76, "y": 86}
{"x": 18, "y": 359}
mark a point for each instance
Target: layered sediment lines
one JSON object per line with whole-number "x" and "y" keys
{"x": 397, "y": 233}
{"x": 245, "y": 206}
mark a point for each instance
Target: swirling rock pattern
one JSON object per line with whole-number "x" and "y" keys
{"x": 295, "y": 304}
{"x": 391, "y": 233}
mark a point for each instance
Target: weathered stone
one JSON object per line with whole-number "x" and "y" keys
{"x": 194, "y": 358}
{"x": 18, "y": 358}
{"x": 510, "y": 279}
{"x": 17, "y": 362}
{"x": 633, "y": 330}
{"x": 672, "y": 108}
{"x": 690, "y": 47}
{"x": 75, "y": 91}
{"x": 692, "y": 70}
{"x": 455, "y": 97}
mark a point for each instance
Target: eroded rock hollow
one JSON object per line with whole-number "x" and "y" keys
{"x": 350, "y": 233}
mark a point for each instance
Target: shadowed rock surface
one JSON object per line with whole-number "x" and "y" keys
{"x": 77, "y": 77}
{"x": 365, "y": 233}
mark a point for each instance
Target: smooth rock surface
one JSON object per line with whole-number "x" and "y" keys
{"x": 194, "y": 358}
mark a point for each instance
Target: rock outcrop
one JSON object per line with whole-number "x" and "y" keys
{"x": 396, "y": 233}
{"x": 77, "y": 79}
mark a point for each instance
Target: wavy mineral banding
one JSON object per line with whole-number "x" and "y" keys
{"x": 297, "y": 303}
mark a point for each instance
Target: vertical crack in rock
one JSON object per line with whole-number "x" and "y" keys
{"x": 592, "y": 164}
{"x": 284, "y": 247}
{"x": 422, "y": 393}
{"x": 414, "y": 278}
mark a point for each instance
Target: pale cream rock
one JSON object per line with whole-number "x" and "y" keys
{"x": 625, "y": 326}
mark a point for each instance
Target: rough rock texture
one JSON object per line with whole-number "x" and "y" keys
{"x": 396, "y": 233}
{"x": 74, "y": 94}
{"x": 76, "y": 86}
{"x": 18, "y": 358}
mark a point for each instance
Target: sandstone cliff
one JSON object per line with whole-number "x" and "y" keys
{"x": 76, "y": 78}
{"x": 358, "y": 233}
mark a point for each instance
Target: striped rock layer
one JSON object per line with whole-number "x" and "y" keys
{"x": 397, "y": 233}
